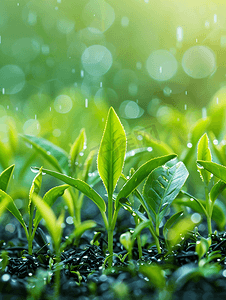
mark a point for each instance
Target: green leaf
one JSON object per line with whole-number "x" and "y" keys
{"x": 3, "y": 205}
{"x": 87, "y": 166}
{"x": 181, "y": 228}
{"x": 49, "y": 217}
{"x": 13, "y": 136}
{"x": 81, "y": 186}
{"x": 197, "y": 131}
{"x": 67, "y": 196}
{"x": 155, "y": 275}
{"x": 169, "y": 223}
{"x": 5, "y": 177}
{"x": 76, "y": 148}
{"x": 112, "y": 151}
{"x": 218, "y": 213}
{"x": 140, "y": 227}
{"x": 77, "y": 233}
{"x": 126, "y": 241}
{"x": 216, "y": 169}
{"x": 202, "y": 247}
{"x": 203, "y": 153}
{"x": 50, "y": 197}
{"x": 35, "y": 188}
{"x": 12, "y": 207}
{"x": 216, "y": 190}
{"x": 141, "y": 173}
{"x": 162, "y": 187}
{"x": 56, "y": 156}
{"x": 219, "y": 149}
{"x": 159, "y": 147}
{"x": 4, "y": 155}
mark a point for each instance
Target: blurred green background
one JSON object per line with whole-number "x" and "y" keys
{"x": 160, "y": 64}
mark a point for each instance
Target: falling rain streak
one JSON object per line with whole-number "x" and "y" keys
{"x": 179, "y": 34}
{"x": 86, "y": 102}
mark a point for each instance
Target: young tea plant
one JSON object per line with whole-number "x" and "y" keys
{"x": 34, "y": 218}
{"x": 69, "y": 164}
{"x": 110, "y": 163}
{"x": 208, "y": 207}
{"x": 159, "y": 191}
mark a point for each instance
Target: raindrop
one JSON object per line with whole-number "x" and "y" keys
{"x": 10, "y": 228}
{"x": 217, "y": 100}
{"x": 189, "y": 145}
{"x": 34, "y": 170}
{"x": 179, "y": 34}
{"x": 3, "y": 91}
{"x": 204, "y": 113}
{"x": 149, "y": 149}
{"x": 86, "y": 102}
{"x": 101, "y": 84}
{"x": 215, "y": 18}
{"x": 82, "y": 73}
{"x": 5, "y": 277}
{"x": 185, "y": 106}
{"x": 35, "y": 117}
{"x": 215, "y": 142}
{"x": 48, "y": 152}
{"x": 69, "y": 220}
{"x": 196, "y": 218}
{"x": 207, "y": 24}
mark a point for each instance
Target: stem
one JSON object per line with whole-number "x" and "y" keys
{"x": 110, "y": 229}
{"x": 30, "y": 239}
{"x": 209, "y": 211}
{"x": 155, "y": 237}
{"x": 138, "y": 238}
{"x": 110, "y": 246}
{"x": 57, "y": 276}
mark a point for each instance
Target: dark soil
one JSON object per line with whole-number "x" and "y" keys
{"x": 84, "y": 277}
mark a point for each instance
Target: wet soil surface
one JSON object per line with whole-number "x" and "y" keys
{"x": 84, "y": 275}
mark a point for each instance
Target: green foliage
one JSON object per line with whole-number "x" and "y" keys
{"x": 56, "y": 156}
{"x": 204, "y": 154}
{"x": 162, "y": 187}
{"x": 112, "y": 152}
{"x": 5, "y": 177}
{"x": 76, "y": 149}
{"x": 141, "y": 174}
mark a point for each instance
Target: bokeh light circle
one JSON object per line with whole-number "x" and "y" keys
{"x": 12, "y": 79}
{"x": 63, "y": 104}
{"x": 31, "y": 127}
{"x": 130, "y": 110}
{"x": 105, "y": 95}
{"x": 97, "y": 60}
{"x": 26, "y": 49}
{"x": 161, "y": 65}
{"x": 98, "y": 15}
{"x": 199, "y": 62}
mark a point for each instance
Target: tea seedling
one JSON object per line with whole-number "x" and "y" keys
{"x": 110, "y": 163}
